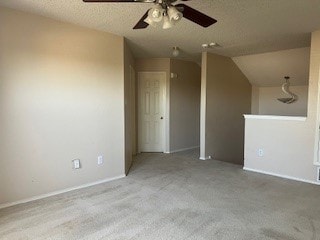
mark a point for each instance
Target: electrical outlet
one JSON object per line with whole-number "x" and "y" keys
{"x": 76, "y": 163}
{"x": 260, "y": 152}
{"x": 174, "y": 75}
{"x": 100, "y": 160}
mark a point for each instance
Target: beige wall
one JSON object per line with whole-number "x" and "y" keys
{"x": 129, "y": 96}
{"x": 287, "y": 147}
{"x": 185, "y": 105}
{"x": 228, "y": 95}
{"x": 61, "y": 98}
{"x": 255, "y": 100}
{"x": 290, "y": 146}
{"x": 264, "y": 101}
{"x": 153, "y": 65}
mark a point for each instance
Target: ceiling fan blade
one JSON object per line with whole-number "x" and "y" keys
{"x": 142, "y": 24}
{"x": 110, "y": 1}
{"x": 196, "y": 16}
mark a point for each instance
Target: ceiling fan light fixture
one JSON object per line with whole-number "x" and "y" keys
{"x": 156, "y": 13}
{"x": 174, "y": 14}
{"x": 167, "y": 23}
{"x": 161, "y": 8}
{"x": 150, "y": 22}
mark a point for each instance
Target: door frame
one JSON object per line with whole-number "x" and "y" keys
{"x": 165, "y": 106}
{"x": 133, "y": 110}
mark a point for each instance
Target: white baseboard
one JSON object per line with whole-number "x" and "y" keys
{"x": 184, "y": 149}
{"x": 281, "y": 176}
{"x": 205, "y": 158}
{"x": 5, "y": 205}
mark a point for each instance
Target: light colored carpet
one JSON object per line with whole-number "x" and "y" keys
{"x": 174, "y": 197}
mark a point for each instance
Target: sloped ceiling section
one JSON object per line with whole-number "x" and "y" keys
{"x": 269, "y": 69}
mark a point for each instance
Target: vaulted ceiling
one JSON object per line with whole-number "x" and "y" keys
{"x": 244, "y": 26}
{"x": 269, "y": 69}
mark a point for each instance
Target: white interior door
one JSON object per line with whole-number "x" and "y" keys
{"x": 151, "y": 111}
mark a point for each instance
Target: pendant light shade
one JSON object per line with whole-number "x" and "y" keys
{"x": 156, "y": 13}
{"x": 168, "y": 15}
{"x": 174, "y": 14}
{"x": 150, "y": 22}
{"x": 285, "y": 88}
{"x": 167, "y": 23}
{"x": 175, "y": 52}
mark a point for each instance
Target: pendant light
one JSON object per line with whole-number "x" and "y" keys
{"x": 285, "y": 89}
{"x": 175, "y": 51}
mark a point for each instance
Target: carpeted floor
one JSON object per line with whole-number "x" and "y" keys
{"x": 174, "y": 197}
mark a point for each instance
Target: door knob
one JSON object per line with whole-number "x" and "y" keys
{"x": 161, "y": 118}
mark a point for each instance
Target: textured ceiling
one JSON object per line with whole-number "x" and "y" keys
{"x": 244, "y": 26}
{"x": 269, "y": 69}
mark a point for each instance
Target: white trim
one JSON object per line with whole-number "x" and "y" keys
{"x": 183, "y": 149}
{"x": 205, "y": 158}
{"x": 167, "y": 115}
{"x": 271, "y": 117}
{"x": 281, "y": 176}
{"x": 133, "y": 109}
{"x": 316, "y": 159}
{"x": 203, "y": 106}
{"x": 10, "y": 204}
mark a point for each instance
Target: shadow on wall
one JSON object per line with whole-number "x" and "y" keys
{"x": 226, "y": 96}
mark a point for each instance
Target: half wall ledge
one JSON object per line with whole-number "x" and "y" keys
{"x": 275, "y": 117}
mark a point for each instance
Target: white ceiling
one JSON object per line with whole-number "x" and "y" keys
{"x": 244, "y": 26}
{"x": 269, "y": 69}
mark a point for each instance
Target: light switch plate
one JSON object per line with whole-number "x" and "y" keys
{"x": 100, "y": 160}
{"x": 260, "y": 152}
{"x": 76, "y": 163}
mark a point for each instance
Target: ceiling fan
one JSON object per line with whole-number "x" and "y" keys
{"x": 164, "y": 11}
